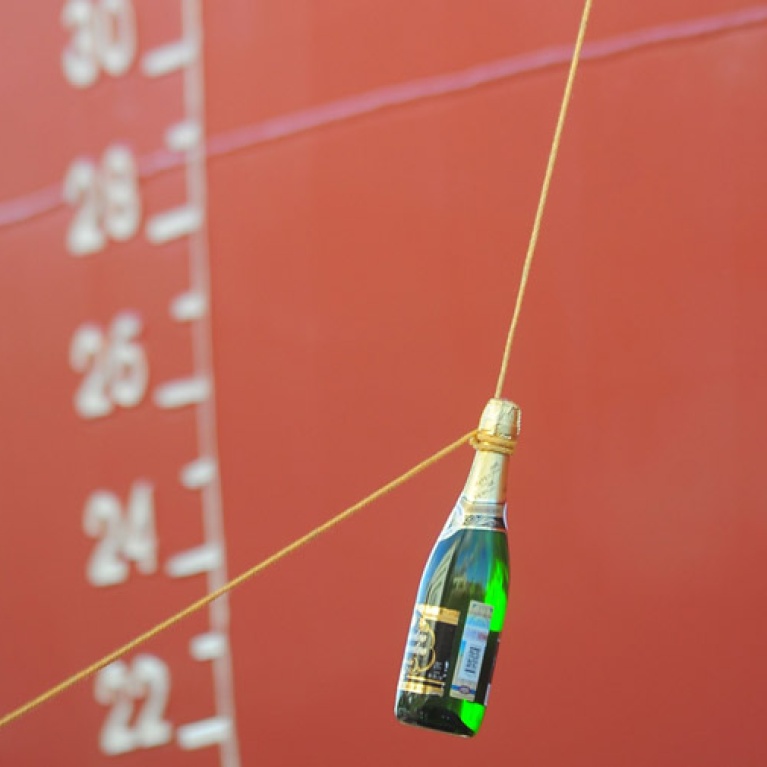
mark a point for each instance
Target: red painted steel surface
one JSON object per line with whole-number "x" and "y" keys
{"x": 363, "y": 274}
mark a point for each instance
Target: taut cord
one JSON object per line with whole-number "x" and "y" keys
{"x": 480, "y": 439}
{"x": 543, "y": 196}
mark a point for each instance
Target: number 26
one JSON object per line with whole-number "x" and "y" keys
{"x": 114, "y": 364}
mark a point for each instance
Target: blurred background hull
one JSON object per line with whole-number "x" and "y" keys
{"x": 372, "y": 171}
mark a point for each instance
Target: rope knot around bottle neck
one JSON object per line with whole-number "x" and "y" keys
{"x": 493, "y": 443}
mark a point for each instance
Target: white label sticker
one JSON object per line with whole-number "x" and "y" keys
{"x": 472, "y": 651}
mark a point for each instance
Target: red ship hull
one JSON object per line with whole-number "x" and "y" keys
{"x": 352, "y": 187}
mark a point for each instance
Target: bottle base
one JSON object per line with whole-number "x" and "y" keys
{"x": 437, "y": 719}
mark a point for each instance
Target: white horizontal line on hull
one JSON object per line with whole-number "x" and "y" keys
{"x": 188, "y": 306}
{"x": 206, "y": 732}
{"x": 208, "y": 646}
{"x": 183, "y": 136}
{"x": 198, "y": 473}
{"x": 185, "y": 391}
{"x": 169, "y": 58}
{"x": 179, "y": 222}
{"x": 201, "y": 559}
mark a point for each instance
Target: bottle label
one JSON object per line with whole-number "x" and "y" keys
{"x": 426, "y": 666}
{"x": 475, "y": 516}
{"x": 472, "y": 652}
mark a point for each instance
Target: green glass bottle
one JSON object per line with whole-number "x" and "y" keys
{"x": 461, "y": 603}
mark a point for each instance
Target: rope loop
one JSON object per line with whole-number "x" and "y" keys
{"x": 493, "y": 443}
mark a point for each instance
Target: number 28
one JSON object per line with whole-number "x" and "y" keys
{"x": 106, "y": 199}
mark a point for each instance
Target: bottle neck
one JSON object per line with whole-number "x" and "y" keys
{"x": 486, "y": 482}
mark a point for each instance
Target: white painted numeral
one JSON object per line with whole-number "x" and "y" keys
{"x": 112, "y": 687}
{"x": 125, "y": 535}
{"x": 116, "y": 35}
{"x": 81, "y": 189}
{"x": 80, "y": 60}
{"x": 123, "y": 687}
{"x": 122, "y": 203}
{"x": 114, "y": 365}
{"x": 103, "y": 37}
{"x": 152, "y": 682}
{"x": 106, "y": 200}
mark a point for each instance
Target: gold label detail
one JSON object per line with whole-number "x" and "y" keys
{"x": 430, "y": 612}
{"x": 429, "y": 647}
{"x": 423, "y": 656}
{"x": 422, "y": 688}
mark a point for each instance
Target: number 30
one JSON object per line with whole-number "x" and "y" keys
{"x": 103, "y": 37}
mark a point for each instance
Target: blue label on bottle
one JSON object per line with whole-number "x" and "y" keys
{"x": 472, "y": 651}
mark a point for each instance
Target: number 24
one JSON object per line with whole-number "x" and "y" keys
{"x": 126, "y": 535}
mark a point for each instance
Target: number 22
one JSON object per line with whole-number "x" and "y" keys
{"x": 121, "y": 687}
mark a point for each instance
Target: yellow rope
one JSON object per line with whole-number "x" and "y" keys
{"x": 208, "y": 598}
{"x": 317, "y": 531}
{"x": 493, "y": 443}
{"x": 544, "y": 195}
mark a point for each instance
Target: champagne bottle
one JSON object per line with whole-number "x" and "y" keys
{"x": 461, "y": 602}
